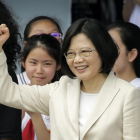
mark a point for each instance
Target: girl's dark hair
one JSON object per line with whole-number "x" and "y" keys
{"x": 50, "y": 44}
{"x": 100, "y": 38}
{"x": 39, "y": 18}
{"x": 11, "y": 47}
{"x": 130, "y": 36}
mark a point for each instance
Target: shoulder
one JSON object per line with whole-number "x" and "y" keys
{"x": 127, "y": 95}
{"x": 124, "y": 87}
{"x": 129, "y": 92}
{"x": 62, "y": 84}
{"x": 67, "y": 80}
{"x": 124, "y": 84}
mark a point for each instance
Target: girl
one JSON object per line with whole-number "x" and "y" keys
{"x": 127, "y": 66}
{"x": 41, "y": 61}
{"x": 90, "y": 102}
{"x": 39, "y": 25}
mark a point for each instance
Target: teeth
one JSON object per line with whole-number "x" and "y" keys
{"x": 79, "y": 68}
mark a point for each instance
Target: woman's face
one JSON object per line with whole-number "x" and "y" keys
{"x": 84, "y": 68}
{"x": 44, "y": 27}
{"x": 40, "y": 67}
{"x": 122, "y": 62}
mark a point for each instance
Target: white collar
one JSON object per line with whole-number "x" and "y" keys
{"x": 135, "y": 82}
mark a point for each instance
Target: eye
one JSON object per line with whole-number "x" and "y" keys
{"x": 46, "y": 64}
{"x": 33, "y": 62}
{"x": 70, "y": 53}
{"x": 84, "y": 51}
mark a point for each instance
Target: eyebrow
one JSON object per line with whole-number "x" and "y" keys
{"x": 81, "y": 48}
{"x": 42, "y": 61}
{"x": 55, "y": 30}
{"x": 39, "y": 30}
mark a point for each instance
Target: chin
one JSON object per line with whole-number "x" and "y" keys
{"x": 37, "y": 83}
{"x": 83, "y": 78}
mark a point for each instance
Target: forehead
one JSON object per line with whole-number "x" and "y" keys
{"x": 115, "y": 35}
{"x": 80, "y": 41}
{"x": 43, "y": 26}
{"x": 117, "y": 38}
{"x": 39, "y": 53}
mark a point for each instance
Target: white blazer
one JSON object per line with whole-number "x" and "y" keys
{"x": 115, "y": 116}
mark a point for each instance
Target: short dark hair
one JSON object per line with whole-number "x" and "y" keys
{"x": 99, "y": 36}
{"x": 130, "y": 36}
{"x": 39, "y": 18}
{"x": 49, "y": 44}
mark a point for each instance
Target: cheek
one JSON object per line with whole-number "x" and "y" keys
{"x": 117, "y": 61}
{"x": 69, "y": 63}
{"x": 50, "y": 72}
{"x": 121, "y": 60}
{"x": 97, "y": 62}
{"x": 120, "y": 63}
{"x": 30, "y": 71}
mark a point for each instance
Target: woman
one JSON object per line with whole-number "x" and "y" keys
{"x": 10, "y": 118}
{"x": 127, "y": 37}
{"x": 88, "y": 55}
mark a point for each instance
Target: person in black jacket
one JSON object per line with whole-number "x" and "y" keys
{"x": 10, "y": 118}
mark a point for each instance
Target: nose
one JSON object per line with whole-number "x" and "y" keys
{"x": 78, "y": 59}
{"x": 39, "y": 69}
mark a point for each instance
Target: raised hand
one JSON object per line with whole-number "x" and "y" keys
{"x": 4, "y": 35}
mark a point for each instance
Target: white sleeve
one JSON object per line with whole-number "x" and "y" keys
{"x": 131, "y": 116}
{"x": 24, "y": 97}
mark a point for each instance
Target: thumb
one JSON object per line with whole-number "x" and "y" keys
{"x": 4, "y": 30}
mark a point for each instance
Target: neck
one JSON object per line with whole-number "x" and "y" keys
{"x": 127, "y": 75}
{"x": 94, "y": 85}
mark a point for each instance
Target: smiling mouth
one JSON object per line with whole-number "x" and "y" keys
{"x": 81, "y": 68}
{"x": 39, "y": 78}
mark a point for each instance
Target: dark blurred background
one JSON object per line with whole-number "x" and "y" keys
{"x": 106, "y": 11}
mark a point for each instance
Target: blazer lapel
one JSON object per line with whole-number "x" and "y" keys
{"x": 73, "y": 95}
{"x": 104, "y": 99}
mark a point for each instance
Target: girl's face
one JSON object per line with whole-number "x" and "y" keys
{"x": 44, "y": 27}
{"x": 40, "y": 67}
{"x": 84, "y": 68}
{"x": 122, "y": 61}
